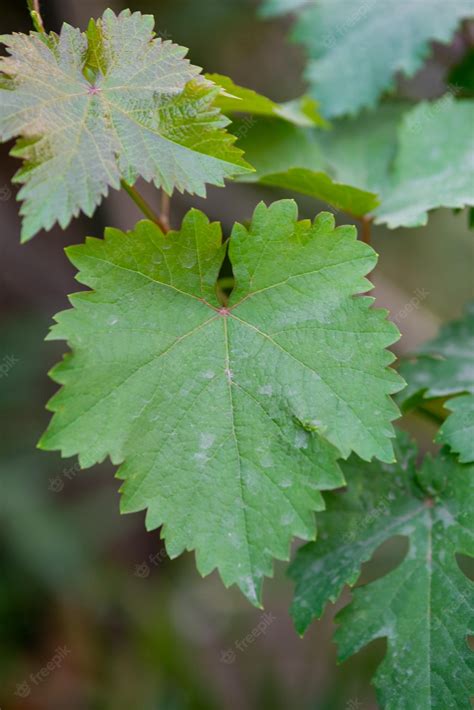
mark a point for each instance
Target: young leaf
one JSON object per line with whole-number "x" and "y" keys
{"x": 356, "y": 48}
{"x": 227, "y": 420}
{"x": 113, "y": 103}
{"x": 443, "y": 366}
{"x": 458, "y": 430}
{"x": 424, "y": 606}
{"x": 237, "y": 99}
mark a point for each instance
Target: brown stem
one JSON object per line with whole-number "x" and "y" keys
{"x": 144, "y": 207}
{"x": 366, "y": 223}
{"x": 165, "y": 209}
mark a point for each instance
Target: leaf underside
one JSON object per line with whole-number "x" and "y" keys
{"x": 227, "y": 421}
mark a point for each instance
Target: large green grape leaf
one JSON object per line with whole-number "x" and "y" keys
{"x": 424, "y": 607}
{"x": 114, "y": 103}
{"x": 238, "y": 99}
{"x": 458, "y": 429}
{"x": 443, "y": 366}
{"x": 355, "y": 47}
{"x": 227, "y": 420}
{"x": 434, "y": 163}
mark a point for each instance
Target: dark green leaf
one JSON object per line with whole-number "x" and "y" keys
{"x": 445, "y": 365}
{"x": 458, "y": 430}
{"x": 424, "y": 607}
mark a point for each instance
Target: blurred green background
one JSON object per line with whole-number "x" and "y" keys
{"x": 91, "y": 593}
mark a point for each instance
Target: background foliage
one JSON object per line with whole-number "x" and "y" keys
{"x": 142, "y": 631}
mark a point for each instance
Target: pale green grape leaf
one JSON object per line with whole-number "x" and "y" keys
{"x": 458, "y": 429}
{"x": 415, "y": 158}
{"x": 443, "y": 366}
{"x": 424, "y": 607}
{"x": 113, "y": 103}
{"x": 406, "y": 159}
{"x": 238, "y": 99}
{"x": 276, "y": 146}
{"x": 360, "y": 151}
{"x": 434, "y": 165}
{"x": 303, "y": 111}
{"x": 227, "y": 421}
{"x": 356, "y": 47}
{"x": 279, "y": 7}
{"x": 320, "y": 186}
{"x": 288, "y": 157}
